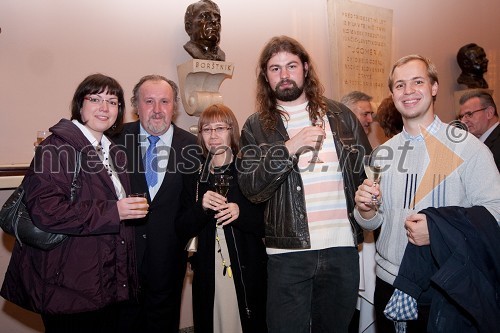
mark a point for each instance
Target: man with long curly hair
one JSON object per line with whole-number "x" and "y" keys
{"x": 307, "y": 175}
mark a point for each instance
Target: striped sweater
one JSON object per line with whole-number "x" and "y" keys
{"x": 323, "y": 189}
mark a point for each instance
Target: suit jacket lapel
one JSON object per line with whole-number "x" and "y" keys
{"x": 492, "y": 137}
{"x": 135, "y": 166}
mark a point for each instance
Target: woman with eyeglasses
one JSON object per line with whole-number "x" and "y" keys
{"x": 75, "y": 285}
{"x": 229, "y": 265}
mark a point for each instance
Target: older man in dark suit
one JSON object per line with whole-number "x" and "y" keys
{"x": 479, "y": 112}
{"x": 158, "y": 156}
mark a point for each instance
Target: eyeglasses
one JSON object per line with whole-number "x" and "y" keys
{"x": 218, "y": 130}
{"x": 99, "y": 101}
{"x": 468, "y": 115}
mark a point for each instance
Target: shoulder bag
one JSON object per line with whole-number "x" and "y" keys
{"x": 16, "y": 221}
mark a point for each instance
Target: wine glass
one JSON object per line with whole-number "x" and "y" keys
{"x": 40, "y": 136}
{"x": 373, "y": 172}
{"x": 221, "y": 183}
{"x": 319, "y": 122}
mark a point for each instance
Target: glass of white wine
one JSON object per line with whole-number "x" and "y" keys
{"x": 373, "y": 171}
{"x": 319, "y": 122}
{"x": 221, "y": 184}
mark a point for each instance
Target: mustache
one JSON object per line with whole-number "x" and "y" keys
{"x": 287, "y": 81}
{"x": 157, "y": 116}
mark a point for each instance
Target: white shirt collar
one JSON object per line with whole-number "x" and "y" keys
{"x": 165, "y": 138}
{"x": 105, "y": 142}
{"x": 486, "y": 134}
{"x": 432, "y": 128}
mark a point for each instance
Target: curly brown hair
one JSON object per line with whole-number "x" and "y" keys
{"x": 389, "y": 117}
{"x": 266, "y": 103}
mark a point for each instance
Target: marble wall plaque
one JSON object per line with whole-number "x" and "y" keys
{"x": 360, "y": 48}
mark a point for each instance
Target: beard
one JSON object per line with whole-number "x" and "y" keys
{"x": 288, "y": 94}
{"x": 158, "y": 129}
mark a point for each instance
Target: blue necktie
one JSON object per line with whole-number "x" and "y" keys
{"x": 151, "y": 162}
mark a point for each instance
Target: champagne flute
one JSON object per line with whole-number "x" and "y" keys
{"x": 373, "y": 172}
{"x": 315, "y": 158}
{"x": 221, "y": 184}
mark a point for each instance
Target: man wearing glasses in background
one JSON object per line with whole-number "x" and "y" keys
{"x": 479, "y": 113}
{"x": 360, "y": 105}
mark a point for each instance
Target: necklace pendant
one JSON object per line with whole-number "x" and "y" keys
{"x": 224, "y": 270}
{"x": 229, "y": 272}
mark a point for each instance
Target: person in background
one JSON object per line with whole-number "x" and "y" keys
{"x": 479, "y": 112}
{"x": 423, "y": 166}
{"x": 229, "y": 281}
{"x": 389, "y": 117}
{"x": 158, "y": 153}
{"x": 76, "y": 285}
{"x": 360, "y": 104}
{"x": 472, "y": 60}
{"x": 202, "y": 22}
{"x": 313, "y": 270}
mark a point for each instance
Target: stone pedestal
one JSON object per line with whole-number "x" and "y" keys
{"x": 199, "y": 83}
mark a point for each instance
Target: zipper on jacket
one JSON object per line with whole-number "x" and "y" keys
{"x": 247, "y": 309}
{"x": 344, "y": 161}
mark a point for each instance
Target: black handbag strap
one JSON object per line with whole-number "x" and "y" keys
{"x": 74, "y": 185}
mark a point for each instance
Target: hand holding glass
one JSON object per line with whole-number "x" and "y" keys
{"x": 139, "y": 195}
{"x": 221, "y": 184}
{"x": 319, "y": 123}
{"x": 373, "y": 172}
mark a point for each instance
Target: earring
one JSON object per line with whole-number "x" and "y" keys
{"x": 113, "y": 127}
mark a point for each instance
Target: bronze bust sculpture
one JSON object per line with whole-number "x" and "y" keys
{"x": 473, "y": 62}
{"x": 202, "y": 22}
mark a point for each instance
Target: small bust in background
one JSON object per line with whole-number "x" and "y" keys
{"x": 473, "y": 62}
{"x": 202, "y": 22}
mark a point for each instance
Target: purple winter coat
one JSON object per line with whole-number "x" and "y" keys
{"x": 95, "y": 266}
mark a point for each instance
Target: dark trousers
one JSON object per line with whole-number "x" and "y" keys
{"x": 138, "y": 317}
{"x": 312, "y": 291}
{"x": 383, "y": 292}
{"x": 99, "y": 321}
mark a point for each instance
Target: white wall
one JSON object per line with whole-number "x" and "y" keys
{"x": 47, "y": 47}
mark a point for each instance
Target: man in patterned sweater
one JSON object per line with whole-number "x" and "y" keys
{"x": 429, "y": 164}
{"x": 311, "y": 235}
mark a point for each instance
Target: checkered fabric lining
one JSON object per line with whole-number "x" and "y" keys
{"x": 400, "y": 308}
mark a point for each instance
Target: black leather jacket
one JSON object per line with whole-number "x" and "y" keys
{"x": 268, "y": 173}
